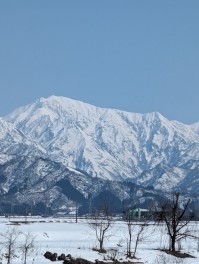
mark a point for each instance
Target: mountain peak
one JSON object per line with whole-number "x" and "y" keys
{"x": 55, "y": 133}
{"x": 107, "y": 143}
{"x": 61, "y": 100}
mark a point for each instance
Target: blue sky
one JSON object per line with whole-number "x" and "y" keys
{"x": 133, "y": 55}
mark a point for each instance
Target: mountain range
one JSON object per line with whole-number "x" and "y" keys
{"x": 57, "y": 150}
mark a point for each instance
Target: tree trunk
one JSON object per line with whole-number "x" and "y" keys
{"x": 129, "y": 247}
{"x": 101, "y": 245}
{"x": 173, "y": 244}
{"x": 25, "y": 257}
{"x": 136, "y": 244}
{"x": 9, "y": 255}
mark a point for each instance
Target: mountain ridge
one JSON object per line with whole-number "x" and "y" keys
{"x": 89, "y": 138}
{"x": 65, "y": 150}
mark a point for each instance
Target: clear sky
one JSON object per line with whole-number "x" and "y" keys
{"x": 133, "y": 55}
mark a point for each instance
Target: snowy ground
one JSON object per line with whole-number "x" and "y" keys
{"x": 65, "y": 236}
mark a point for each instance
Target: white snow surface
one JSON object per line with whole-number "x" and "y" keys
{"x": 195, "y": 127}
{"x": 63, "y": 235}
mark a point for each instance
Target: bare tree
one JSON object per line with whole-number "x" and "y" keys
{"x": 174, "y": 215}
{"x": 129, "y": 222}
{"x": 28, "y": 246}
{"x": 101, "y": 223}
{"x": 139, "y": 236}
{"x": 135, "y": 229}
{"x": 9, "y": 244}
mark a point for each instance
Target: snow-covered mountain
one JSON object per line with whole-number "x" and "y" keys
{"x": 14, "y": 142}
{"x": 57, "y": 153}
{"x": 110, "y": 144}
{"x": 34, "y": 184}
{"x": 195, "y": 127}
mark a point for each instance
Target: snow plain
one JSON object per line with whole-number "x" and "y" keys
{"x": 63, "y": 235}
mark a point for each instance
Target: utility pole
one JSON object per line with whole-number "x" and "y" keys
{"x": 26, "y": 215}
{"x": 76, "y": 213}
{"x": 90, "y": 205}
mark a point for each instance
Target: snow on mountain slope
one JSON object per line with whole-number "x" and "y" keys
{"x": 34, "y": 181}
{"x": 106, "y": 143}
{"x": 162, "y": 177}
{"x": 195, "y": 127}
{"x": 14, "y": 142}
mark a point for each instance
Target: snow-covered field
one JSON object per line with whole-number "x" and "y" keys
{"x": 65, "y": 236}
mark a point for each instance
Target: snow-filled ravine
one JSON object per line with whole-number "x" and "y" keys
{"x": 62, "y": 235}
